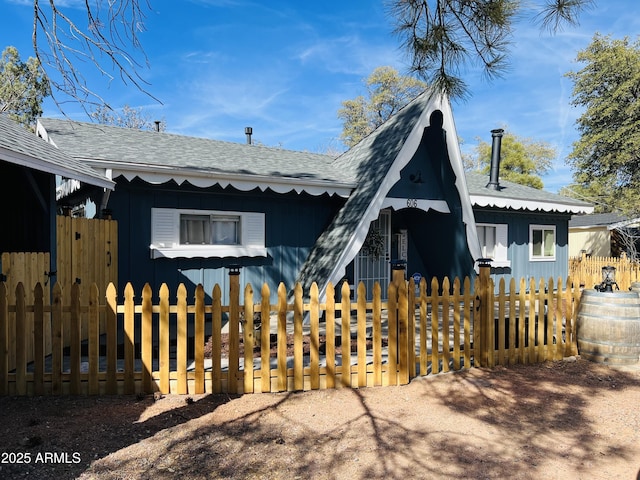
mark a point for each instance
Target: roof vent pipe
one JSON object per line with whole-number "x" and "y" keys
{"x": 248, "y": 131}
{"x": 494, "y": 175}
{"x": 157, "y": 124}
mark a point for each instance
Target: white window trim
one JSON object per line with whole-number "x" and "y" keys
{"x": 165, "y": 235}
{"x": 533, "y": 258}
{"x": 501, "y": 259}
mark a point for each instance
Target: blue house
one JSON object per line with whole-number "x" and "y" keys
{"x": 525, "y": 231}
{"x": 190, "y": 208}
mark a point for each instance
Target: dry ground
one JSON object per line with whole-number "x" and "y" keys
{"x": 561, "y": 420}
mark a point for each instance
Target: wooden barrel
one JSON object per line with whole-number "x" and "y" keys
{"x": 608, "y": 327}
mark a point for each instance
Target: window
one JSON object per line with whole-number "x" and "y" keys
{"x": 209, "y": 230}
{"x": 203, "y": 233}
{"x": 542, "y": 242}
{"x": 493, "y": 240}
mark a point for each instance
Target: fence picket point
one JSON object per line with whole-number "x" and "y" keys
{"x": 330, "y": 344}
{"x": 298, "y": 360}
{"x": 265, "y": 339}
{"x": 362, "y": 334}
{"x": 314, "y": 337}
{"x": 282, "y": 338}
{"x": 345, "y": 335}
{"x": 146, "y": 344}
{"x": 181, "y": 340}
{"x": 163, "y": 340}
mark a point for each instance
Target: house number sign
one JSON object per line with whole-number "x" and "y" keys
{"x": 412, "y": 202}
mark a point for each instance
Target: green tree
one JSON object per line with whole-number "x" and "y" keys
{"x": 443, "y": 36}
{"x": 606, "y": 159}
{"x": 23, "y": 87}
{"x": 523, "y": 160}
{"x": 128, "y": 117}
{"x": 387, "y": 92}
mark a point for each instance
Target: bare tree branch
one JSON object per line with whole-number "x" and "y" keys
{"x": 108, "y": 43}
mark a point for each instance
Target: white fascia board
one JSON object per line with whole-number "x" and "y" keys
{"x": 531, "y": 205}
{"x": 42, "y": 165}
{"x": 158, "y": 174}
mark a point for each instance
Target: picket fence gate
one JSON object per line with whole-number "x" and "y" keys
{"x": 296, "y": 344}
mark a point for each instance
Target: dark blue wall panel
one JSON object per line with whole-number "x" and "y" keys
{"x": 293, "y": 223}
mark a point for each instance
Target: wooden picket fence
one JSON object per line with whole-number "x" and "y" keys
{"x": 299, "y": 343}
{"x": 587, "y": 271}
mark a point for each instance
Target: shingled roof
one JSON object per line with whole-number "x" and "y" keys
{"x": 159, "y": 157}
{"x": 520, "y": 197}
{"x": 21, "y": 147}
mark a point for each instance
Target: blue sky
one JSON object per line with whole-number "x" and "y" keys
{"x": 284, "y": 67}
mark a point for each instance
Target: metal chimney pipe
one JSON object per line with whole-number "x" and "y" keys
{"x": 248, "y": 131}
{"x": 494, "y": 175}
{"x": 157, "y": 124}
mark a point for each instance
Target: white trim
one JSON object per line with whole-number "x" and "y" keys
{"x": 532, "y": 205}
{"x": 533, "y": 227}
{"x": 208, "y": 251}
{"x": 158, "y": 174}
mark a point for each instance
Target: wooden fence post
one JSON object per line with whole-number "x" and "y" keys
{"x": 485, "y": 311}
{"x": 198, "y": 348}
{"x": 234, "y": 329}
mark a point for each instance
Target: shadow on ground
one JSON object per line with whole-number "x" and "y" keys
{"x": 561, "y": 419}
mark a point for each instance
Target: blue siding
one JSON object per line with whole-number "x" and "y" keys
{"x": 293, "y": 223}
{"x": 518, "y": 249}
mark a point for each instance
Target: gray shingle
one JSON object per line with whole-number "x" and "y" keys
{"x": 40, "y": 155}
{"x": 477, "y": 182}
{"x": 102, "y": 143}
{"x": 596, "y": 220}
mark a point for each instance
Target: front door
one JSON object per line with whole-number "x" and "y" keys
{"x": 372, "y": 263}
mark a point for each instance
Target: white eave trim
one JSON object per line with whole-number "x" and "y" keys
{"x": 42, "y": 165}
{"x": 158, "y": 174}
{"x": 531, "y": 205}
{"x": 217, "y": 251}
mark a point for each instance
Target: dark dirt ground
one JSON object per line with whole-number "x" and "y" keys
{"x": 570, "y": 419}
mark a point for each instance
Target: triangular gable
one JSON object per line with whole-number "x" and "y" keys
{"x": 377, "y": 161}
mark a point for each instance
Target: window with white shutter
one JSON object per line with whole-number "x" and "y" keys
{"x": 187, "y": 233}
{"x": 494, "y": 243}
